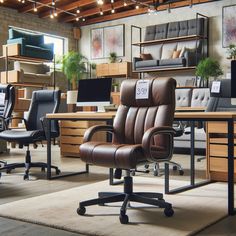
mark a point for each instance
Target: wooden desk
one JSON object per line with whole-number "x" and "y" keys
{"x": 77, "y": 116}
{"x": 228, "y": 117}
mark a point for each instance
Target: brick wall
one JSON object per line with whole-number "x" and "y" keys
{"x": 10, "y": 17}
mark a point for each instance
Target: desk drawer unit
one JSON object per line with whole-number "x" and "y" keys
{"x": 217, "y": 151}
{"x": 71, "y": 136}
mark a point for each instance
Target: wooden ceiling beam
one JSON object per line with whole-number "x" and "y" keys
{"x": 115, "y": 16}
{"x": 30, "y": 6}
{"x": 68, "y": 7}
{"x": 134, "y": 12}
{"x": 96, "y": 10}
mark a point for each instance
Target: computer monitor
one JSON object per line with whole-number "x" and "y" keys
{"x": 94, "y": 92}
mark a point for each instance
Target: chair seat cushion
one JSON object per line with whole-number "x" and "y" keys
{"x": 110, "y": 155}
{"x": 22, "y": 136}
{"x": 147, "y": 63}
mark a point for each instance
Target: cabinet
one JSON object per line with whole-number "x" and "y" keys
{"x": 217, "y": 151}
{"x": 71, "y": 136}
{"x": 122, "y": 69}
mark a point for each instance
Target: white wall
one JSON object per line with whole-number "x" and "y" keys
{"x": 212, "y": 10}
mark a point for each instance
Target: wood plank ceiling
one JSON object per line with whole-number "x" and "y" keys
{"x": 84, "y": 12}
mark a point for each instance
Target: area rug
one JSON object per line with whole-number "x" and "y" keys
{"x": 194, "y": 210}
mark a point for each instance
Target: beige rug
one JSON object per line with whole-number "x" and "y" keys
{"x": 194, "y": 210}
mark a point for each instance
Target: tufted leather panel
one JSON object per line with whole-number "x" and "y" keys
{"x": 183, "y": 28}
{"x": 200, "y": 97}
{"x": 161, "y": 31}
{"x": 173, "y": 30}
{"x": 183, "y": 97}
{"x": 196, "y": 26}
{"x": 150, "y": 33}
{"x": 133, "y": 118}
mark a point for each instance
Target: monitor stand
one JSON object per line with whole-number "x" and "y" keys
{"x": 101, "y": 109}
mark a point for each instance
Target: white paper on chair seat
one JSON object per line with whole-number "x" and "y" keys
{"x": 142, "y": 89}
{"x": 2, "y": 98}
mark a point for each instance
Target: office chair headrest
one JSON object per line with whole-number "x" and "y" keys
{"x": 160, "y": 92}
{"x": 45, "y": 95}
{"x": 225, "y": 89}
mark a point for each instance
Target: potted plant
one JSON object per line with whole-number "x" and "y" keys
{"x": 208, "y": 67}
{"x": 231, "y": 52}
{"x": 115, "y": 87}
{"x": 112, "y": 57}
{"x": 73, "y": 66}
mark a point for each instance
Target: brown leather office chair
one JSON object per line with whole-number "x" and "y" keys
{"x": 142, "y": 133}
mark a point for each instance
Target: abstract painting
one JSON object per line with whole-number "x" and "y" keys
{"x": 229, "y": 25}
{"x": 97, "y": 43}
{"x": 114, "y": 40}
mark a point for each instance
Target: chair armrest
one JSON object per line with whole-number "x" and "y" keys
{"x": 20, "y": 41}
{"x": 192, "y": 58}
{"x": 147, "y": 140}
{"x": 96, "y": 128}
{"x": 135, "y": 59}
{"x": 9, "y": 119}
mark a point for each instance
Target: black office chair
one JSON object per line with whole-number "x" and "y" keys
{"x": 6, "y": 107}
{"x": 43, "y": 102}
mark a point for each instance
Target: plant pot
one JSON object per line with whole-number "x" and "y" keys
{"x": 71, "y": 97}
{"x": 115, "y": 89}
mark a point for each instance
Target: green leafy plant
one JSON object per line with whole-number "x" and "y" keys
{"x": 208, "y": 67}
{"x": 231, "y": 51}
{"x": 93, "y": 66}
{"x": 112, "y": 57}
{"x": 73, "y": 66}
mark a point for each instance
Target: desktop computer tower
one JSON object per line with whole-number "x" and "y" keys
{"x": 233, "y": 79}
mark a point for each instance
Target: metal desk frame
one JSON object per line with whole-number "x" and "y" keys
{"x": 230, "y": 122}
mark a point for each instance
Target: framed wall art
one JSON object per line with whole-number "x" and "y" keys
{"x": 97, "y": 43}
{"x": 114, "y": 40}
{"x": 228, "y": 25}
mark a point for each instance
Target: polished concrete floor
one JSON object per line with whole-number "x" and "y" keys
{"x": 13, "y": 188}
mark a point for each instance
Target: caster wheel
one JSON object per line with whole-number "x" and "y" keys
{"x": 8, "y": 171}
{"x": 147, "y": 171}
{"x": 26, "y": 177}
{"x": 133, "y": 172}
{"x": 174, "y": 167}
{"x": 43, "y": 169}
{"x": 81, "y": 211}
{"x": 155, "y": 173}
{"x": 146, "y": 166}
{"x": 58, "y": 171}
{"x": 181, "y": 172}
{"x": 124, "y": 219}
{"x": 169, "y": 212}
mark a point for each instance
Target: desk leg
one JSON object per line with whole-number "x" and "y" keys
{"x": 192, "y": 184}
{"x": 192, "y": 159}
{"x": 231, "y": 210}
{"x": 48, "y": 136}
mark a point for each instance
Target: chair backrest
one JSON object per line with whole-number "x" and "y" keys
{"x": 200, "y": 97}
{"x": 221, "y": 101}
{"x": 135, "y": 116}
{"x": 43, "y": 102}
{"x": 183, "y": 97}
{"x": 6, "y": 108}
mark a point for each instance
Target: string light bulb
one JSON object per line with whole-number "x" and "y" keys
{"x": 55, "y": 12}
{"x": 51, "y": 14}
{"x": 137, "y": 6}
{"x": 101, "y": 12}
{"x": 77, "y": 10}
{"x": 1, "y": 1}
{"x": 125, "y": 3}
{"x": 53, "y": 2}
{"x": 100, "y": 2}
{"x": 77, "y": 18}
{"x": 35, "y": 7}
